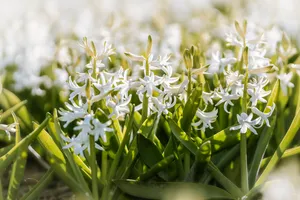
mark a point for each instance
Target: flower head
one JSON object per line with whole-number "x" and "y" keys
{"x": 245, "y": 122}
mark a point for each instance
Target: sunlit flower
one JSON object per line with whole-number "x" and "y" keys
{"x": 74, "y": 111}
{"x": 264, "y": 116}
{"x": 226, "y": 98}
{"x": 205, "y": 119}
{"x": 245, "y": 122}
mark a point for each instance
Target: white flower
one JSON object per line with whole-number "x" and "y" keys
{"x": 104, "y": 87}
{"x": 245, "y": 123}
{"x": 8, "y": 128}
{"x": 206, "y": 119}
{"x": 225, "y": 97}
{"x": 75, "y": 111}
{"x": 76, "y": 89}
{"x": 121, "y": 82}
{"x": 99, "y": 65}
{"x": 149, "y": 85}
{"x": 119, "y": 106}
{"x": 233, "y": 77}
{"x": 84, "y": 126}
{"x": 260, "y": 83}
{"x": 207, "y": 97}
{"x": 234, "y": 82}
{"x": 296, "y": 67}
{"x": 257, "y": 59}
{"x": 264, "y": 116}
{"x": 163, "y": 103}
{"x": 167, "y": 79}
{"x": 285, "y": 82}
{"x": 100, "y": 129}
{"x": 257, "y": 94}
{"x": 79, "y": 143}
{"x": 217, "y": 63}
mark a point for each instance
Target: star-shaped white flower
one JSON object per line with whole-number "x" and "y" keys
{"x": 245, "y": 122}
{"x": 264, "y": 116}
{"x": 226, "y": 98}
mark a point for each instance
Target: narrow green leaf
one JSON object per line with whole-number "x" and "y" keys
{"x": 51, "y": 148}
{"x": 148, "y": 151}
{"x": 293, "y": 58}
{"x": 36, "y": 191}
{"x": 225, "y": 159}
{"x": 286, "y": 141}
{"x": 148, "y": 125}
{"x": 159, "y": 190}
{"x": 15, "y": 108}
{"x": 203, "y": 156}
{"x": 273, "y": 96}
{"x": 6, "y": 149}
{"x": 224, "y": 181}
{"x": 10, "y": 156}
{"x": 287, "y": 153}
{"x": 182, "y": 137}
{"x": 224, "y": 139}
{"x": 58, "y": 162}
{"x": 262, "y": 145}
{"x": 190, "y": 109}
{"x": 18, "y": 168}
{"x": 74, "y": 160}
{"x": 9, "y": 100}
{"x": 159, "y": 166}
{"x": 124, "y": 142}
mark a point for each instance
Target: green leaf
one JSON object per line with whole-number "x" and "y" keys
{"x": 224, "y": 139}
{"x": 160, "y": 190}
{"x": 36, "y": 191}
{"x": 15, "y": 108}
{"x": 287, "y": 153}
{"x": 9, "y": 100}
{"x": 224, "y": 181}
{"x": 148, "y": 151}
{"x": 190, "y": 109}
{"x": 273, "y": 96}
{"x": 293, "y": 58}
{"x": 149, "y": 128}
{"x": 262, "y": 145}
{"x": 8, "y": 158}
{"x": 203, "y": 156}
{"x": 222, "y": 162}
{"x": 58, "y": 162}
{"x": 148, "y": 125}
{"x": 74, "y": 161}
{"x": 182, "y": 137}
{"x": 18, "y": 168}
{"x": 284, "y": 144}
{"x": 159, "y": 166}
{"x": 6, "y": 149}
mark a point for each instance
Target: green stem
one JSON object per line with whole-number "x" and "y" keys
{"x": 244, "y": 167}
{"x": 93, "y": 167}
{"x": 189, "y": 90}
{"x": 243, "y": 150}
{"x": 145, "y": 98}
{"x": 113, "y": 169}
{"x": 144, "y": 109}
